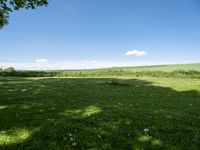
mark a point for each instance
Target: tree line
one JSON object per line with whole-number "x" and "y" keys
{"x": 111, "y": 72}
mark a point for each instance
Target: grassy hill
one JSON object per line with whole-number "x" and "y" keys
{"x": 165, "y": 68}
{"x": 181, "y": 70}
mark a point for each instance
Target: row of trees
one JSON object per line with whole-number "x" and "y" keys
{"x": 11, "y": 72}
{"x": 98, "y": 73}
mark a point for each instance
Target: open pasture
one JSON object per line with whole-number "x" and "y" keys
{"x": 99, "y": 113}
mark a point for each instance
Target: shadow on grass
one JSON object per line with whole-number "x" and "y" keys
{"x": 96, "y": 113}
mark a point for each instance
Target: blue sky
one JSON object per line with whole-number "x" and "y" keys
{"x": 73, "y": 34}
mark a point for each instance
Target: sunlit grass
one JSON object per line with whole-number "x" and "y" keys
{"x": 153, "y": 141}
{"x": 91, "y": 110}
{"x": 26, "y": 106}
{"x": 3, "y": 107}
{"x": 156, "y": 142}
{"x": 86, "y": 112}
{"x": 14, "y": 136}
{"x": 145, "y": 138}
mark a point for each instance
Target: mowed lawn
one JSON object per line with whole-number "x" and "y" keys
{"x": 99, "y": 113}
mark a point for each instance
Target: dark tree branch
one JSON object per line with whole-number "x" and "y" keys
{"x": 8, "y": 6}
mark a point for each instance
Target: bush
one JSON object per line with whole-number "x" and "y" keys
{"x": 8, "y": 72}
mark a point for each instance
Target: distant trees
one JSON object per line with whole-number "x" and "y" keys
{"x": 10, "y": 71}
{"x": 112, "y": 72}
{"x": 8, "y": 6}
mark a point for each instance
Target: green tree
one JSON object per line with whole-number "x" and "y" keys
{"x": 10, "y": 69}
{"x": 8, "y": 6}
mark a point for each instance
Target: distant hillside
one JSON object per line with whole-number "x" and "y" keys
{"x": 165, "y": 68}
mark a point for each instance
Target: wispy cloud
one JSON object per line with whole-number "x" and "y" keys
{"x": 44, "y": 64}
{"x": 136, "y": 53}
{"x": 70, "y": 64}
{"x": 41, "y": 60}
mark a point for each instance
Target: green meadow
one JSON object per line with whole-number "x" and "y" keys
{"x": 158, "y": 108}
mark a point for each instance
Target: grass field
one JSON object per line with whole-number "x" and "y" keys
{"x": 180, "y": 70}
{"x": 99, "y": 113}
{"x": 166, "y": 68}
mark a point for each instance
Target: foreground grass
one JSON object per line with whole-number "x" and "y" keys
{"x": 99, "y": 113}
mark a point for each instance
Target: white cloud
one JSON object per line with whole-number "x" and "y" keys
{"x": 136, "y": 53}
{"x": 41, "y": 60}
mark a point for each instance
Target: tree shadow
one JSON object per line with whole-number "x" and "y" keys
{"x": 96, "y": 113}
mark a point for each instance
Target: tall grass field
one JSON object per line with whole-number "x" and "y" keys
{"x": 128, "y": 108}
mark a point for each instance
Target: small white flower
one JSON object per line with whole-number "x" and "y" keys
{"x": 146, "y": 130}
{"x": 74, "y": 144}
